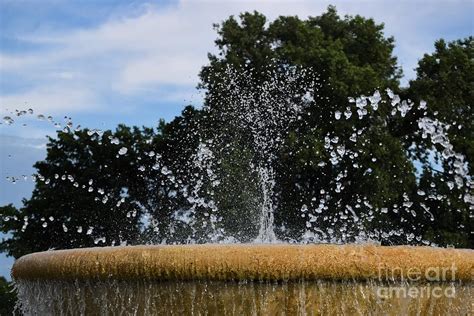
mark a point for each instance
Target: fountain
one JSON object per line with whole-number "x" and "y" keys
{"x": 332, "y": 268}
{"x": 246, "y": 279}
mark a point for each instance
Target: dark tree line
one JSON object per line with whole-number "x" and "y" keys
{"x": 90, "y": 193}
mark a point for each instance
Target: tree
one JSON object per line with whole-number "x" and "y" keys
{"x": 349, "y": 57}
{"x": 100, "y": 188}
{"x": 445, "y": 80}
{"x": 87, "y": 193}
{"x": 342, "y": 166}
{"x": 7, "y": 297}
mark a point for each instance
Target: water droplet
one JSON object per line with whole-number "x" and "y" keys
{"x": 304, "y": 208}
{"x": 348, "y": 113}
{"x": 341, "y": 150}
{"x": 165, "y": 171}
{"x": 375, "y": 99}
{"x": 123, "y": 151}
{"x": 8, "y": 120}
{"x": 422, "y": 105}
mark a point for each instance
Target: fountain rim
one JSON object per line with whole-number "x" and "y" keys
{"x": 239, "y": 262}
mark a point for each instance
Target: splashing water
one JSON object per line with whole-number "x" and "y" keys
{"x": 251, "y": 121}
{"x": 145, "y": 297}
{"x": 262, "y": 112}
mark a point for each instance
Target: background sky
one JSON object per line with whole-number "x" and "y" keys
{"x": 109, "y": 62}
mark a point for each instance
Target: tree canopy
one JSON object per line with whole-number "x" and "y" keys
{"x": 343, "y": 167}
{"x": 445, "y": 80}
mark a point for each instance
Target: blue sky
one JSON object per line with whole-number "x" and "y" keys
{"x": 134, "y": 62}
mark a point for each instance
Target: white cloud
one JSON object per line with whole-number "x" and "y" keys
{"x": 8, "y": 62}
{"x": 20, "y": 141}
{"x": 51, "y": 100}
{"x": 64, "y": 75}
{"x": 160, "y": 47}
{"x": 178, "y": 70}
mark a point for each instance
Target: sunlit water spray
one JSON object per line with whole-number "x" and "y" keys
{"x": 261, "y": 112}
{"x": 251, "y": 121}
{"x": 253, "y": 115}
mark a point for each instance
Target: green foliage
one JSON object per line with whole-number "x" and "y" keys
{"x": 351, "y": 56}
{"x": 7, "y": 297}
{"x": 445, "y": 80}
{"x": 62, "y": 210}
{"x": 452, "y": 225}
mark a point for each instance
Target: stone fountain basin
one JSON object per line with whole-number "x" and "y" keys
{"x": 241, "y": 279}
{"x": 234, "y": 262}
